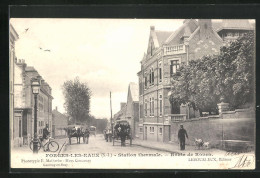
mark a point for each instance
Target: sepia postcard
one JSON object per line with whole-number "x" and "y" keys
{"x": 93, "y": 93}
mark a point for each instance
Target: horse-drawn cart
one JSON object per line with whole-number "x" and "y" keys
{"x": 122, "y": 133}
{"x": 77, "y": 131}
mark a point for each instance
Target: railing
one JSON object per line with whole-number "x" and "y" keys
{"x": 176, "y": 49}
{"x": 177, "y": 117}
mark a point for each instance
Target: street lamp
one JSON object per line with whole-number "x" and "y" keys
{"x": 35, "y": 91}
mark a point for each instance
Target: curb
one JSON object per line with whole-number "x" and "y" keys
{"x": 63, "y": 147}
{"x": 155, "y": 148}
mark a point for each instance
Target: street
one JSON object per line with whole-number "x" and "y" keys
{"x": 99, "y": 145}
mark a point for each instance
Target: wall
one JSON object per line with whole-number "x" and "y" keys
{"x": 214, "y": 130}
{"x": 204, "y": 42}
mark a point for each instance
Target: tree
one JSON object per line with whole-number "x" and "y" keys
{"x": 230, "y": 75}
{"x": 77, "y": 100}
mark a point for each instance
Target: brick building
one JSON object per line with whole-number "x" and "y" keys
{"x": 59, "y": 124}
{"x": 166, "y": 52}
{"x": 24, "y": 103}
{"x": 231, "y": 29}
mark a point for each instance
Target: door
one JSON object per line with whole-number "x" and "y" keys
{"x": 145, "y": 133}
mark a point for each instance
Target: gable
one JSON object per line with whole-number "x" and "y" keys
{"x": 204, "y": 42}
{"x": 187, "y": 28}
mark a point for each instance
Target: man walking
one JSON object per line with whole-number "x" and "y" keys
{"x": 181, "y": 136}
{"x": 86, "y": 135}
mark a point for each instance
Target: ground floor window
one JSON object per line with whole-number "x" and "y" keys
{"x": 160, "y": 130}
{"x": 141, "y": 129}
{"x": 151, "y": 129}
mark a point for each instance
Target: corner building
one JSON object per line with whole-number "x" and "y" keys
{"x": 166, "y": 52}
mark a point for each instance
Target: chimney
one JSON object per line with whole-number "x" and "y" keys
{"x": 205, "y": 27}
{"x": 205, "y": 24}
{"x": 122, "y": 105}
{"x": 152, "y": 28}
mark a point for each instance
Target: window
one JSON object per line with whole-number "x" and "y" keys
{"x": 150, "y": 106}
{"x": 160, "y": 105}
{"x": 160, "y": 74}
{"x": 145, "y": 82}
{"x": 229, "y": 34}
{"x": 174, "y": 66}
{"x": 151, "y": 129}
{"x": 141, "y": 111}
{"x": 145, "y": 108}
{"x": 151, "y": 76}
{"x": 160, "y": 130}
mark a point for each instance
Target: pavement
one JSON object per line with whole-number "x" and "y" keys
{"x": 171, "y": 147}
{"x": 26, "y": 149}
{"x": 98, "y": 143}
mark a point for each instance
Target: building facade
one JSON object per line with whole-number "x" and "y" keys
{"x": 14, "y": 124}
{"x": 166, "y": 52}
{"x": 24, "y": 103}
{"x": 59, "y": 124}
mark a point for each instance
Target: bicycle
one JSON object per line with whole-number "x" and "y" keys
{"x": 51, "y": 145}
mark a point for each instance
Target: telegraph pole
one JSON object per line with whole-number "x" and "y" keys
{"x": 111, "y": 114}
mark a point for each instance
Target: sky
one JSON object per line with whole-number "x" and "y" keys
{"x": 104, "y": 53}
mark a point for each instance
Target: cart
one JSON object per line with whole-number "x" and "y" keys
{"x": 122, "y": 134}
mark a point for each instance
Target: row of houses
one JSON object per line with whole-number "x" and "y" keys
{"x": 22, "y": 101}
{"x": 166, "y": 52}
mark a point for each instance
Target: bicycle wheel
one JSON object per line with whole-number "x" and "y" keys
{"x": 38, "y": 145}
{"x": 53, "y": 146}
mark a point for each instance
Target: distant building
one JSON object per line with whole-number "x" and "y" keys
{"x": 132, "y": 108}
{"x": 166, "y": 52}
{"x": 59, "y": 124}
{"x": 232, "y": 29}
{"x": 15, "y": 133}
{"x": 120, "y": 115}
{"x": 24, "y": 103}
{"x": 129, "y": 111}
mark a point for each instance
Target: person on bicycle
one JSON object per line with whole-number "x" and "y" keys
{"x": 45, "y": 134}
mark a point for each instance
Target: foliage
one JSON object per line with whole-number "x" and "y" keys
{"x": 77, "y": 100}
{"x": 230, "y": 75}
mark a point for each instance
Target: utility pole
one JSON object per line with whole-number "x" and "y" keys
{"x": 111, "y": 114}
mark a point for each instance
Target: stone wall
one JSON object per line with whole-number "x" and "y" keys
{"x": 214, "y": 130}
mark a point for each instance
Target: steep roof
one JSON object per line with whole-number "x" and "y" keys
{"x": 188, "y": 27}
{"x": 58, "y": 115}
{"x": 162, "y": 36}
{"x": 242, "y": 24}
{"x": 134, "y": 91}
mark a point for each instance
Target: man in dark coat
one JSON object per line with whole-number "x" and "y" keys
{"x": 181, "y": 136}
{"x": 86, "y": 135}
{"x": 45, "y": 136}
